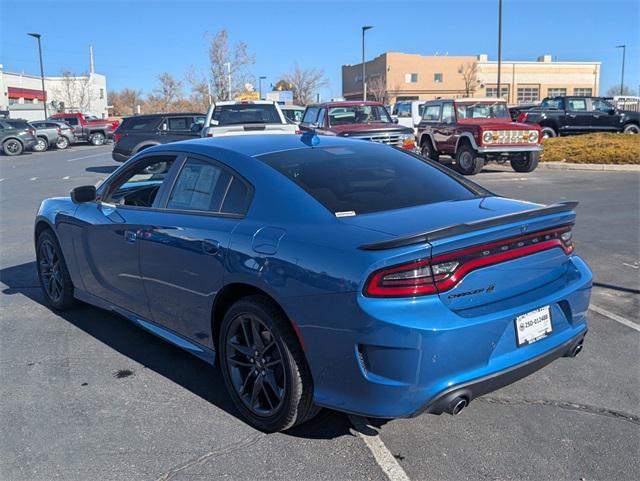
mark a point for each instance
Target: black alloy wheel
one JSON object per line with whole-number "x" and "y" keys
{"x": 53, "y": 274}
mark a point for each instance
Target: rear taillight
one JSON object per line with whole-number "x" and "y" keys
{"x": 58, "y": 130}
{"x": 116, "y": 138}
{"x": 73, "y": 131}
{"x": 443, "y": 272}
{"x": 32, "y": 131}
{"x": 522, "y": 117}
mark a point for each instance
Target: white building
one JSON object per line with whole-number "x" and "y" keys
{"x": 22, "y": 96}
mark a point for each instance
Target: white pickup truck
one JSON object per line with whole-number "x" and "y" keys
{"x": 408, "y": 113}
{"x": 246, "y": 117}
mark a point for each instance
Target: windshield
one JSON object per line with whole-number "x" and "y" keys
{"x": 246, "y": 114}
{"x": 494, "y": 110}
{"x": 358, "y": 114}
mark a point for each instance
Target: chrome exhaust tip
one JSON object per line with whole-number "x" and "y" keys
{"x": 457, "y": 405}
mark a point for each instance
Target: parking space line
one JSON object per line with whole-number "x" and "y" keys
{"x": 33, "y": 178}
{"x": 615, "y": 317}
{"x": 88, "y": 156}
{"x": 380, "y": 452}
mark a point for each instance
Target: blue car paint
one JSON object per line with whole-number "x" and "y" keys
{"x": 292, "y": 248}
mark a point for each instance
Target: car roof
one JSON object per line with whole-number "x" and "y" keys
{"x": 166, "y": 114}
{"x": 257, "y": 145}
{"x": 346, "y": 103}
{"x": 239, "y": 102}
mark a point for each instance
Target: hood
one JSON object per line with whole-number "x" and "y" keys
{"x": 370, "y": 127}
{"x": 496, "y": 124}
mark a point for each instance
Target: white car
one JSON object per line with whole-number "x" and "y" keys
{"x": 246, "y": 117}
{"x": 408, "y": 113}
{"x": 293, "y": 113}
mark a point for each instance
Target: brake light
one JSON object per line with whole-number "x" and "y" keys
{"x": 443, "y": 272}
{"x": 116, "y": 138}
{"x": 58, "y": 130}
{"x": 299, "y": 132}
{"x": 523, "y": 116}
{"x": 31, "y": 131}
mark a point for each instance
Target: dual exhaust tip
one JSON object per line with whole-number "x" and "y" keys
{"x": 575, "y": 350}
{"x": 456, "y": 405}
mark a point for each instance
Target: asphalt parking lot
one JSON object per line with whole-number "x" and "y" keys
{"x": 85, "y": 395}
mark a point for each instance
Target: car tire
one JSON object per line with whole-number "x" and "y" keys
{"x": 631, "y": 129}
{"x": 53, "y": 274}
{"x": 467, "y": 160}
{"x": 42, "y": 145}
{"x": 428, "y": 150}
{"x": 12, "y": 147}
{"x": 62, "y": 143}
{"x": 97, "y": 138}
{"x": 273, "y": 389}
{"x": 527, "y": 164}
{"x": 548, "y": 132}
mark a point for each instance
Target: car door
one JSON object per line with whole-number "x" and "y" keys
{"x": 578, "y": 118}
{"x": 183, "y": 253}
{"x": 605, "y": 117}
{"x": 446, "y": 129}
{"x": 107, "y": 242}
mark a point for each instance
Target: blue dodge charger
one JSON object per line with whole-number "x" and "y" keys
{"x": 322, "y": 271}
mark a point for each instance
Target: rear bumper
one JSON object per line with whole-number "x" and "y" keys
{"x": 498, "y": 150}
{"x": 30, "y": 143}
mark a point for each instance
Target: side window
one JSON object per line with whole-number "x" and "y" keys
{"x": 179, "y": 123}
{"x": 310, "y": 115}
{"x": 448, "y": 115}
{"x": 431, "y": 113}
{"x": 321, "y": 115}
{"x": 577, "y": 105}
{"x": 200, "y": 186}
{"x": 236, "y": 201}
{"x": 601, "y": 105}
{"x": 71, "y": 120}
{"x": 140, "y": 185}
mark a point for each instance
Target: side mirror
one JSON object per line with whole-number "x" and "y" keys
{"x": 84, "y": 193}
{"x": 164, "y": 127}
{"x": 394, "y": 119}
{"x": 612, "y": 111}
{"x": 195, "y": 128}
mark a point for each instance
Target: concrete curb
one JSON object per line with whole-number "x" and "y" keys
{"x": 600, "y": 167}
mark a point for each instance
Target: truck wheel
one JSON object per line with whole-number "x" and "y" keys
{"x": 12, "y": 147}
{"x": 526, "y": 164}
{"x": 97, "y": 138}
{"x": 41, "y": 145}
{"x": 428, "y": 150}
{"x": 467, "y": 160}
{"x": 631, "y": 129}
{"x": 62, "y": 142}
{"x": 548, "y": 132}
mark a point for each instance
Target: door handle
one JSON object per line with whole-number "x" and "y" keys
{"x": 596, "y": 116}
{"x": 572, "y": 116}
{"x": 130, "y": 236}
{"x": 210, "y": 246}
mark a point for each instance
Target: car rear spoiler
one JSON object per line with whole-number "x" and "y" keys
{"x": 457, "y": 229}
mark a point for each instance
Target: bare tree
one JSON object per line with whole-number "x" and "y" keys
{"x": 377, "y": 88}
{"x": 615, "y": 90}
{"x": 125, "y": 101}
{"x": 167, "y": 94}
{"x": 75, "y": 91}
{"x": 469, "y": 72}
{"x": 305, "y": 83}
{"x": 228, "y": 63}
{"x": 200, "y": 96}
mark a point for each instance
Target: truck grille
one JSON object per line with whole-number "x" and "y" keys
{"x": 391, "y": 138}
{"x": 510, "y": 136}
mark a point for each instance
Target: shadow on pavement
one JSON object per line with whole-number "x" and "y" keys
{"x": 167, "y": 360}
{"x": 102, "y": 169}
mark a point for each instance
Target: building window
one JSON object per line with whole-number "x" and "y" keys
{"x": 528, "y": 94}
{"x": 411, "y": 78}
{"x": 493, "y": 91}
{"x": 13, "y": 101}
{"x": 557, "y": 92}
{"x": 437, "y": 78}
{"x": 101, "y": 93}
{"x": 581, "y": 92}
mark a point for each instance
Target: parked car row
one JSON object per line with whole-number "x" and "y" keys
{"x": 60, "y": 131}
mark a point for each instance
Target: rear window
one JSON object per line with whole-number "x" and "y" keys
{"x": 144, "y": 123}
{"x": 246, "y": 114}
{"x": 362, "y": 178}
{"x": 18, "y": 124}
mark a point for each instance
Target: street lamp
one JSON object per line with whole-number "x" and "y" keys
{"x": 44, "y": 94}
{"x": 260, "y": 79}
{"x": 228, "y": 65}
{"x": 624, "y": 54}
{"x": 499, "y": 46}
{"x": 364, "y": 71}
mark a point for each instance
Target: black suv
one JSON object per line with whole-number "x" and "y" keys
{"x": 137, "y": 133}
{"x": 16, "y": 136}
{"x": 577, "y": 115}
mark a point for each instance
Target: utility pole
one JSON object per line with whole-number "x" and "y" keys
{"x": 364, "y": 70}
{"x": 44, "y": 93}
{"x": 228, "y": 65}
{"x": 624, "y": 54}
{"x": 260, "y": 79}
{"x": 499, "y": 45}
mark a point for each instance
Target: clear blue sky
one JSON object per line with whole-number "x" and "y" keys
{"x": 135, "y": 41}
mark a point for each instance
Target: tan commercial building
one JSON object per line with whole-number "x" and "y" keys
{"x": 395, "y": 76}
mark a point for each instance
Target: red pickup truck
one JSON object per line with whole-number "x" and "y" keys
{"x": 88, "y": 128}
{"x": 474, "y": 131}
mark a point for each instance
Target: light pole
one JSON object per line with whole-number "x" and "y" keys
{"x": 228, "y": 65}
{"x": 260, "y": 79}
{"x": 624, "y": 54}
{"x": 499, "y": 46}
{"x": 364, "y": 70}
{"x": 44, "y": 94}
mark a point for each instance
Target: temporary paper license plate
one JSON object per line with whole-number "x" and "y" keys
{"x": 533, "y": 326}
